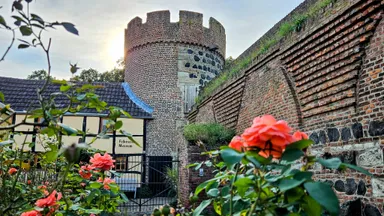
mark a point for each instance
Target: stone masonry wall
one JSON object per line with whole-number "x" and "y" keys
{"x": 328, "y": 81}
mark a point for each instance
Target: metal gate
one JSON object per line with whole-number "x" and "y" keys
{"x": 145, "y": 181}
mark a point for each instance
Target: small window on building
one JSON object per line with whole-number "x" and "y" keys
{"x": 120, "y": 164}
{"x": 103, "y": 125}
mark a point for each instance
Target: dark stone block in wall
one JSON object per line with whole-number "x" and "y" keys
{"x": 209, "y": 69}
{"x": 339, "y": 186}
{"x": 333, "y": 134}
{"x": 350, "y": 187}
{"x": 195, "y": 66}
{"x": 371, "y": 210}
{"x": 351, "y": 208}
{"x": 201, "y": 81}
{"x": 361, "y": 189}
{"x": 205, "y": 61}
{"x": 322, "y": 137}
{"x": 200, "y": 67}
{"x": 357, "y": 130}
{"x": 346, "y": 134}
{"x": 190, "y": 51}
{"x": 213, "y": 63}
{"x": 205, "y": 68}
{"x": 187, "y": 64}
{"x": 314, "y": 137}
{"x": 209, "y": 78}
{"x": 348, "y": 157}
{"x": 196, "y": 58}
{"x": 202, "y": 76}
{"x": 376, "y": 128}
{"x": 201, "y": 53}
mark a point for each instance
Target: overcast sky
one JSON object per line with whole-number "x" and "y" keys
{"x": 101, "y": 26}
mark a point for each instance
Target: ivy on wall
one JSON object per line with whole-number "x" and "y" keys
{"x": 294, "y": 25}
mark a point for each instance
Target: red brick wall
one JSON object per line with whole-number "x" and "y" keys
{"x": 326, "y": 80}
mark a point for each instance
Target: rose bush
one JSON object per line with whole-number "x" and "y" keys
{"x": 57, "y": 181}
{"x": 267, "y": 171}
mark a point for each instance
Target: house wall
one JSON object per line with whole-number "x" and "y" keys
{"x": 93, "y": 127}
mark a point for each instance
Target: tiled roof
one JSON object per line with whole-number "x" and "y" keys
{"x": 20, "y": 93}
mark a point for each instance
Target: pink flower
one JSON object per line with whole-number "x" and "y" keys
{"x": 43, "y": 189}
{"x": 104, "y": 162}
{"x": 85, "y": 172}
{"x": 268, "y": 135}
{"x": 106, "y": 182}
{"x": 12, "y": 171}
{"x": 49, "y": 201}
{"x": 82, "y": 184}
{"x": 298, "y": 135}
{"x": 31, "y": 213}
{"x": 237, "y": 143}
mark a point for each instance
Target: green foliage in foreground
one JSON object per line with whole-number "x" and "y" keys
{"x": 213, "y": 135}
{"x": 296, "y": 24}
{"x": 249, "y": 184}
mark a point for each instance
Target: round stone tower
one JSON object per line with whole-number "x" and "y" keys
{"x": 166, "y": 65}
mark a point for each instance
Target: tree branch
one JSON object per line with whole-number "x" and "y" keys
{"x": 10, "y": 46}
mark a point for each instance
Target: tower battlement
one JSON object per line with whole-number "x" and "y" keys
{"x": 189, "y": 30}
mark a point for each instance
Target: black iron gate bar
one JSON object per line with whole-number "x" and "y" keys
{"x": 143, "y": 180}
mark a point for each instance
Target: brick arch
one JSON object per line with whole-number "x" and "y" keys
{"x": 269, "y": 90}
{"x": 291, "y": 85}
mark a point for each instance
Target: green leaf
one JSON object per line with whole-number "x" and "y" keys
{"x": 130, "y": 137}
{"x": 302, "y": 144}
{"x": 93, "y": 211}
{"x": 51, "y": 156}
{"x": 6, "y": 142}
{"x": 243, "y": 185}
{"x": 126, "y": 113}
{"x": 81, "y": 97}
{"x": 286, "y": 184}
{"x": 61, "y": 82}
{"x": 324, "y": 195}
{"x": 333, "y": 163}
{"x": 2, "y": 98}
{"x": 124, "y": 197}
{"x": 95, "y": 185}
{"x": 311, "y": 207}
{"x": 23, "y": 46}
{"x": 64, "y": 88}
{"x": 114, "y": 188}
{"x": 115, "y": 173}
{"x": 25, "y": 30}
{"x": 67, "y": 129}
{"x": 70, "y": 28}
{"x": 201, "y": 207}
{"x": 256, "y": 159}
{"x": 2, "y": 21}
{"x": 303, "y": 176}
{"x": 292, "y": 155}
{"x": 359, "y": 169}
{"x": 118, "y": 125}
{"x": 201, "y": 187}
{"x": 294, "y": 194}
{"x": 231, "y": 156}
{"x": 213, "y": 192}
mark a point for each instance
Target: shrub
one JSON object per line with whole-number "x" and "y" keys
{"x": 212, "y": 135}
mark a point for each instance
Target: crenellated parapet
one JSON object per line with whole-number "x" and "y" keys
{"x": 189, "y": 30}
